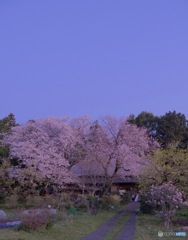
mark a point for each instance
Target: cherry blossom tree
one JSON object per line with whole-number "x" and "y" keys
{"x": 128, "y": 146}
{"x": 46, "y": 149}
{"x": 80, "y": 127}
{"x": 114, "y": 148}
{"x": 168, "y": 199}
{"x": 41, "y": 148}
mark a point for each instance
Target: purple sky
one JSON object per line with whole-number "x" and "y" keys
{"x": 74, "y": 58}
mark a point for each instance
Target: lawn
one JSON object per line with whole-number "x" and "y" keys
{"x": 148, "y": 226}
{"x": 72, "y": 229}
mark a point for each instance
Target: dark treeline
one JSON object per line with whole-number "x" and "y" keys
{"x": 172, "y": 127}
{"x": 5, "y": 127}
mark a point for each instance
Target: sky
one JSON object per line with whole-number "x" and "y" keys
{"x": 103, "y": 57}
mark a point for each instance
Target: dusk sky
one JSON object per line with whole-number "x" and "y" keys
{"x": 93, "y": 57}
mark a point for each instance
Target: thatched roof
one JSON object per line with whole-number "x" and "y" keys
{"x": 89, "y": 168}
{"x": 127, "y": 179}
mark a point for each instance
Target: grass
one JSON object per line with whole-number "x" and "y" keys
{"x": 148, "y": 226}
{"x": 112, "y": 234}
{"x": 74, "y": 229}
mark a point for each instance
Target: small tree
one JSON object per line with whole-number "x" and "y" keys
{"x": 167, "y": 199}
{"x": 166, "y": 165}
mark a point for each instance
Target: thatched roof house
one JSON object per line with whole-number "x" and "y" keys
{"x": 92, "y": 175}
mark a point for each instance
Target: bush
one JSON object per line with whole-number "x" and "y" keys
{"x": 81, "y": 204}
{"x": 34, "y": 201}
{"x": 36, "y": 220}
{"x": 168, "y": 199}
{"x": 44, "y": 201}
{"x": 67, "y": 205}
{"x": 93, "y": 205}
{"x": 2, "y": 198}
{"x": 110, "y": 201}
{"x": 145, "y": 207}
{"x": 54, "y": 201}
{"x": 12, "y": 201}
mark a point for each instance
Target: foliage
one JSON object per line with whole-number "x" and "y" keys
{"x": 82, "y": 206}
{"x": 7, "y": 123}
{"x": 81, "y": 203}
{"x": 125, "y": 198}
{"x": 93, "y": 204}
{"x": 146, "y": 120}
{"x": 168, "y": 199}
{"x": 41, "y": 147}
{"x": 42, "y": 152}
{"x": 7, "y": 184}
{"x": 169, "y": 128}
{"x": 166, "y": 165}
{"x": 110, "y": 201}
{"x": 35, "y": 201}
{"x": 73, "y": 211}
{"x": 5, "y": 127}
{"x": 145, "y": 207}
{"x": 12, "y": 201}
{"x": 108, "y": 146}
{"x": 172, "y": 128}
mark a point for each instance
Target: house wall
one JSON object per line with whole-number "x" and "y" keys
{"x": 132, "y": 188}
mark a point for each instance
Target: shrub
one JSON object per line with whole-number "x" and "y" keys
{"x": 34, "y": 201}
{"x": 2, "y": 198}
{"x": 57, "y": 202}
{"x": 52, "y": 200}
{"x": 12, "y": 201}
{"x": 81, "y": 204}
{"x": 21, "y": 199}
{"x": 93, "y": 204}
{"x": 125, "y": 198}
{"x": 67, "y": 205}
{"x": 145, "y": 207}
{"x": 36, "y": 220}
{"x": 109, "y": 201}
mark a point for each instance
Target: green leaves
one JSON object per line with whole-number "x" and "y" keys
{"x": 172, "y": 127}
{"x": 170, "y": 164}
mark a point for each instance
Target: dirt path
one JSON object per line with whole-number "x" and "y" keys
{"x": 127, "y": 231}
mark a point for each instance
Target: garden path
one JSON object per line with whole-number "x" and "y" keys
{"x": 127, "y": 231}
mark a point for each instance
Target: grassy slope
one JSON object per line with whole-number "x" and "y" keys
{"x": 71, "y": 230}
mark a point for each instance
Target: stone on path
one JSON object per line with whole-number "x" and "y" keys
{"x": 10, "y": 224}
{"x": 2, "y": 214}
